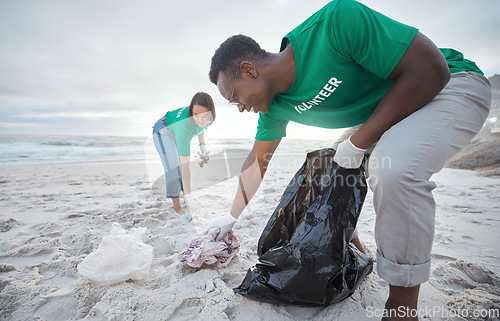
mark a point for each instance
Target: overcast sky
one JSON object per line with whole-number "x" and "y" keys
{"x": 103, "y": 67}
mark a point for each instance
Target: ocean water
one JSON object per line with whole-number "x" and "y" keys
{"x": 21, "y": 150}
{"x": 40, "y": 149}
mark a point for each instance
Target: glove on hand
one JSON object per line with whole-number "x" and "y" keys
{"x": 224, "y": 222}
{"x": 203, "y": 150}
{"x": 348, "y": 155}
{"x": 203, "y": 154}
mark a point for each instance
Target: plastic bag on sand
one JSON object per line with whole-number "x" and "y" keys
{"x": 120, "y": 256}
{"x": 304, "y": 252}
{"x": 207, "y": 250}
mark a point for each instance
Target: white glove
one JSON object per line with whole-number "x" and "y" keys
{"x": 348, "y": 155}
{"x": 203, "y": 155}
{"x": 188, "y": 199}
{"x": 224, "y": 222}
{"x": 203, "y": 149}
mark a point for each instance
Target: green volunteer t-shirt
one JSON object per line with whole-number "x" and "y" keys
{"x": 457, "y": 62}
{"x": 343, "y": 56}
{"x": 183, "y": 128}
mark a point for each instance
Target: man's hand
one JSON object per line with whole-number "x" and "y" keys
{"x": 224, "y": 222}
{"x": 348, "y": 155}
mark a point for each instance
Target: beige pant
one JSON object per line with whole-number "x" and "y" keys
{"x": 401, "y": 164}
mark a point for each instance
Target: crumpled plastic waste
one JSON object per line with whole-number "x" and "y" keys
{"x": 120, "y": 256}
{"x": 304, "y": 253}
{"x": 207, "y": 250}
{"x": 186, "y": 219}
{"x": 203, "y": 158}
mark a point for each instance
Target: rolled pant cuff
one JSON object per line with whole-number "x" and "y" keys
{"x": 405, "y": 275}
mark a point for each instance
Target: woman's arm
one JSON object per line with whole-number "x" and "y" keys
{"x": 252, "y": 173}
{"x": 419, "y": 76}
{"x": 201, "y": 138}
{"x": 186, "y": 174}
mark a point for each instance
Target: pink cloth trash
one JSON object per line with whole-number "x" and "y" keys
{"x": 207, "y": 250}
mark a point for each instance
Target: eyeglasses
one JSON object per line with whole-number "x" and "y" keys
{"x": 231, "y": 101}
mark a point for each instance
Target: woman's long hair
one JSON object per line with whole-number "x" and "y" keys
{"x": 205, "y": 100}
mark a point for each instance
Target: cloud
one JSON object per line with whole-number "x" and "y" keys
{"x": 129, "y": 61}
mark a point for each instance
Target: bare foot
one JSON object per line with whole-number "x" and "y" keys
{"x": 401, "y": 304}
{"x": 180, "y": 210}
{"x": 177, "y": 206}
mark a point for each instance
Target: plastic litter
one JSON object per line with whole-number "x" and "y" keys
{"x": 304, "y": 252}
{"x": 120, "y": 256}
{"x": 203, "y": 158}
{"x": 207, "y": 250}
{"x": 186, "y": 219}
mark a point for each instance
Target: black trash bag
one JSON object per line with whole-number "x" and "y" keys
{"x": 304, "y": 253}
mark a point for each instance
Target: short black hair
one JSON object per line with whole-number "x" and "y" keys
{"x": 232, "y": 52}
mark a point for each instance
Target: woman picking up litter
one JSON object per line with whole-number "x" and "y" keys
{"x": 172, "y": 136}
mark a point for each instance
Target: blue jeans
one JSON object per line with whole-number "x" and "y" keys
{"x": 166, "y": 147}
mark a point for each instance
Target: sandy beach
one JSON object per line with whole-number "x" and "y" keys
{"x": 53, "y": 216}
{"x": 83, "y": 83}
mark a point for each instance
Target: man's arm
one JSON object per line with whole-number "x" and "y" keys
{"x": 252, "y": 173}
{"x": 419, "y": 76}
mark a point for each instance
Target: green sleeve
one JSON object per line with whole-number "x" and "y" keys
{"x": 270, "y": 129}
{"x": 372, "y": 40}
